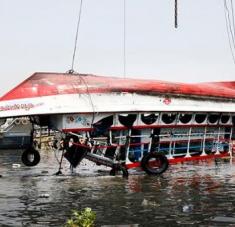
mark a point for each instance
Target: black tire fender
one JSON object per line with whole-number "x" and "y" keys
{"x": 154, "y": 156}
{"x": 30, "y": 157}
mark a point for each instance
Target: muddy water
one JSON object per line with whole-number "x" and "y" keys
{"x": 202, "y": 194}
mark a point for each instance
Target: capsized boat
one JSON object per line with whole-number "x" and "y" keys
{"x": 55, "y": 93}
{"x": 125, "y": 123}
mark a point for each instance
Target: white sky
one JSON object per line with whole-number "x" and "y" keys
{"x": 38, "y": 35}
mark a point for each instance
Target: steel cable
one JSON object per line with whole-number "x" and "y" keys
{"x": 76, "y": 38}
{"x": 230, "y": 31}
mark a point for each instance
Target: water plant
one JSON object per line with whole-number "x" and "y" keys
{"x": 83, "y": 218}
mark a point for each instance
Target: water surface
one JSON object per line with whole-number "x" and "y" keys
{"x": 199, "y": 194}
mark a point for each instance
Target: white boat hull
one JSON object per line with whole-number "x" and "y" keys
{"x": 110, "y": 103}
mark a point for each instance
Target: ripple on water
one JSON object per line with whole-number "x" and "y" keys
{"x": 185, "y": 195}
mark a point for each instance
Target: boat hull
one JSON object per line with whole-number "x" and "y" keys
{"x": 109, "y": 103}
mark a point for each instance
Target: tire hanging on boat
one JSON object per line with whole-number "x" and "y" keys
{"x": 154, "y": 163}
{"x": 30, "y": 157}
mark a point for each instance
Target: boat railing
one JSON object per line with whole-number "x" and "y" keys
{"x": 173, "y": 144}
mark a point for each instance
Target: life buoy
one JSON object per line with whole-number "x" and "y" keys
{"x": 154, "y": 163}
{"x": 30, "y": 157}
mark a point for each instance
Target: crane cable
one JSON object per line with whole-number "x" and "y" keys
{"x": 230, "y": 27}
{"x": 228, "y": 19}
{"x": 71, "y": 71}
{"x": 124, "y": 38}
{"x": 176, "y": 13}
{"x": 231, "y": 3}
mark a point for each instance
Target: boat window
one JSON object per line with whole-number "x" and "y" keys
{"x": 118, "y": 136}
{"x": 43, "y": 120}
{"x": 168, "y": 118}
{"x": 185, "y": 118}
{"x": 101, "y": 126}
{"x": 227, "y": 131}
{"x": 127, "y": 120}
{"x": 213, "y": 118}
{"x": 233, "y": 120}
{"x": 155, "y": 139}
{"x": 135, "y": 147}
{"x": 149, "y": 119}
{"x": 224, "y": 119}
{"x": 200, "y": 118}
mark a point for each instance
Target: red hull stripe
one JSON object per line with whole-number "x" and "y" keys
{"x": 171, "y": 161}
{"x": 46, "y": 84}
{"x": 183, "y": 159}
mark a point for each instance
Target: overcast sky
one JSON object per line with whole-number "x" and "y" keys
{"x": 38, "y": 35}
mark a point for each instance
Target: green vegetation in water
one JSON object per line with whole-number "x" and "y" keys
{"x": 84, "y": 218}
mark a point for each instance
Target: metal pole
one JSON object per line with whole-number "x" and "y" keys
{"x": 170, "y": 148}
{"x": 127, "y": 146}
{"x": 150, "y": 141}
{"x": 173, "y": 152}
{"x": 189, "y": 138}
{"x": 217, "y": 145}
{"x": 230, "y": 143}
{"x": 204, "y": 143}
{"x": 170, "y": 145}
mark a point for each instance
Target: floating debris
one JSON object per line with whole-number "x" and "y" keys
{"x": 146, "y": 202}
{"x": 44, "y": 172}
{"x": 187, "y": 208}
{"x": 15, "y": 165}
{"x": 45, "y": 195}
{"x": 224, "y": 219}
{"x": 130, "y": 225}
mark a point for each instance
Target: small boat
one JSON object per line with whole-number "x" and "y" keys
{"x": 16, "y": 133}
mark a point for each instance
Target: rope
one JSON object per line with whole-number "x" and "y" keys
{"x": 76, "y": 38}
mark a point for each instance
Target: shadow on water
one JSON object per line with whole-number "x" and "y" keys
{"x": 198, "y": 194}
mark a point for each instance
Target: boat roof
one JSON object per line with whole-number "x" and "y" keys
{"x": 46, "y": 84}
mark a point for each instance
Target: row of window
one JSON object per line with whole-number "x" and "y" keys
{"x": 128, "y": 120}
{"x": 200, "y": 118}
